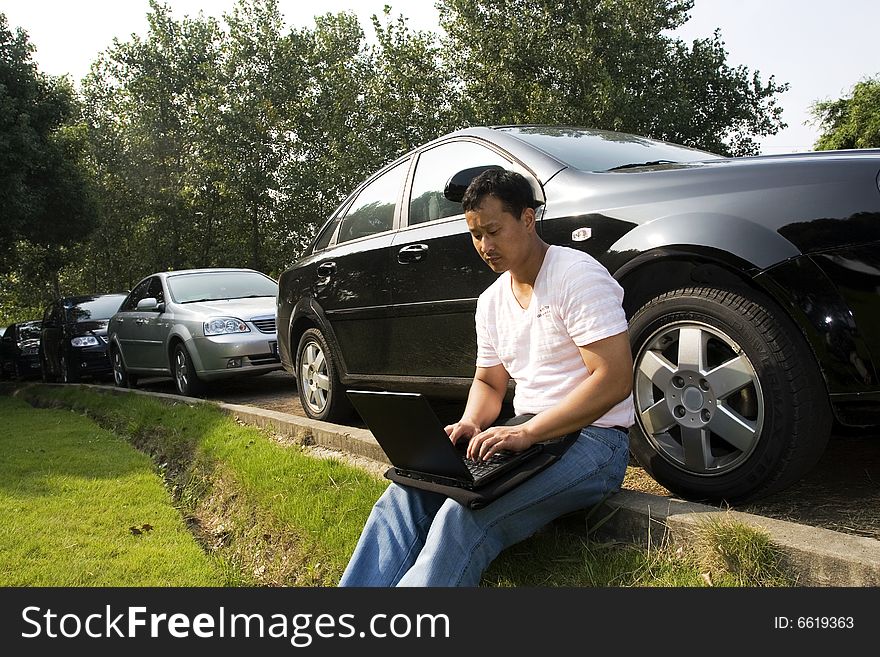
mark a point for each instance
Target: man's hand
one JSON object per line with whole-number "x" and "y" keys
{"x": 486, "y": 443}
{"x": 462, "y": 430}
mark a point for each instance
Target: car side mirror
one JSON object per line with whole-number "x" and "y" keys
{"x": 458, "y": 183}
{"x": 150, "y": 304}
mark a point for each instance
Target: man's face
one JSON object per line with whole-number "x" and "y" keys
{"x": 501, "y": 239}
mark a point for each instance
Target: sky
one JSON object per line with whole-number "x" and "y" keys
{"x": 820, "y": 48}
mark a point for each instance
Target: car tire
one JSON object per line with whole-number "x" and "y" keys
{"x": 121, "y": 377}
{"x": 68, "y": 375}
{"x": 317, "y": 379}
{"x": 730, "y": 404}
{"x": 186, "y": 380}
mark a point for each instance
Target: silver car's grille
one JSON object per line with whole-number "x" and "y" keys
{"x": 265, "y": 325}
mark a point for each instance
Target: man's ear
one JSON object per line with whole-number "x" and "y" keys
{"x": 528, "y": 217}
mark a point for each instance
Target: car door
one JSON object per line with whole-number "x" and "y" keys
{"x": 128, "y": 326}
{"x": 153, "y": 327}
{"x": 7, "y": 351}
{"x": 351, "y": 277}
{"x": 52, "y": 334}
{"x": 436, "y": 274}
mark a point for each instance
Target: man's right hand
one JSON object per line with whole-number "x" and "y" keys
{"x": 463, "y": 429}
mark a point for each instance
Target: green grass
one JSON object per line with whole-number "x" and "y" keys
{"x": 69, "y": 494}
{"x": 271, "y": 514}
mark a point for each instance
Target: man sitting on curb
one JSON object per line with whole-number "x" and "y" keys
{"x": 554, "y": 323}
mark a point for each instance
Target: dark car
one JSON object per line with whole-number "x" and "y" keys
{"x": 74, "y": 337}
{"x": 751, "y": 286}
{"x": 19, "y": 351}
{"x": 196, "y": 325}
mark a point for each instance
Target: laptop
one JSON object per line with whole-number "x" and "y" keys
{"x": 415, "y": 441}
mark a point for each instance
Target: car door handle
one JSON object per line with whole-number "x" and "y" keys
{"x": 412, "y": 253}
{"x": 140, "y": 320}
{"x": 326, "y": 269}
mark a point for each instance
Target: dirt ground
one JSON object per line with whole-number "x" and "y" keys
{"x": 841, "y": 493}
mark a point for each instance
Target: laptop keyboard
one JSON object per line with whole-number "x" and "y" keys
{"x": 482, "y": 468}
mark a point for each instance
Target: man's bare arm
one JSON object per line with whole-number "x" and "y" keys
{"x": 610, "y": 382}
{"x": 484, "y": 402}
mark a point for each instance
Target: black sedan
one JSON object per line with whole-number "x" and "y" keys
{"x": 751, "y": 285}
{"x": 19, "y": 349}
{"x": 74, "y": 337}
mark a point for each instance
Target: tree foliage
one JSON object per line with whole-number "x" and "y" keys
{"x": 225, "y": 142}
{"x": 852, "y": 121}
{"x": 607, "y": 64}
{"x": 43, "y": 195}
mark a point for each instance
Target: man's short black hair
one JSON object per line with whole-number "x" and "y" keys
{"x": 509, "y": 187}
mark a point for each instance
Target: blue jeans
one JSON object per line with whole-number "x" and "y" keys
{"x": 419, "y": 538}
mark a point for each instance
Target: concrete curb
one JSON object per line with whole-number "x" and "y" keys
{"x": 819, "y": 557}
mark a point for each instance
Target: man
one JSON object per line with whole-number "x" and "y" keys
{"x": 553, "y": 322}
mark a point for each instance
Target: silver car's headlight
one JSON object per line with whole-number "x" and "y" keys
{"x": 224, "y": 325}
{"x": 85, "y": 341}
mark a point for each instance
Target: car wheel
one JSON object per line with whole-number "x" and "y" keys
{"x": 729, "y": 402}
{"x": 68, "y": 375}
{"x": 317, "y": 380}
{"x": 121, "y": 377}
{"x": 185, "y": 377}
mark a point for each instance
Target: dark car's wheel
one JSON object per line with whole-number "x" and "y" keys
{"x": 730, "y": 404}
{"x": 317, "y": 380}
{"x": 185, "y": 378}
{"x": 121, "y": 377}
{"x": 68, "y": 374}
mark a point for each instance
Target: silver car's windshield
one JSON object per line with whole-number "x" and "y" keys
{"x": 216, "y": 286}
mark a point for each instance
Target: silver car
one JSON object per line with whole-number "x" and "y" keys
{"x": 195, "y": 325}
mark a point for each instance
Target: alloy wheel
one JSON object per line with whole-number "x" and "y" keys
{"x": 698, "y": 398}
{"x": 181, "y": 371}
{"x": 118, "y": 371}
{"x": 314, "y": 376}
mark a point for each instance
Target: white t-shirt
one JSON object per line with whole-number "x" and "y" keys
{"x": 575, "y": 301}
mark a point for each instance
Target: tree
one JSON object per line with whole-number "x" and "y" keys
{"x": 410, "y": 97}
{"x": 45, "y": 199}
{"x": 605, "y": 64}
{"x": 265, "y": 77}
{"x": 146, "y": 108}
{"x": 852, "y": 121}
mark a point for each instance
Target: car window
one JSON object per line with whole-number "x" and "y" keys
{"x": 57, "y": 316}
{"x": 601, "y": 150}
{"x": 323, "y": 239}
{"x": 155, "y": 291}
{"x": 372, "y": 211}
{"x": 434, "y": 168}
{"x": 49, "y": 316}
{"x": 220, "y": 285}
{"x": 138, "y": 293}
